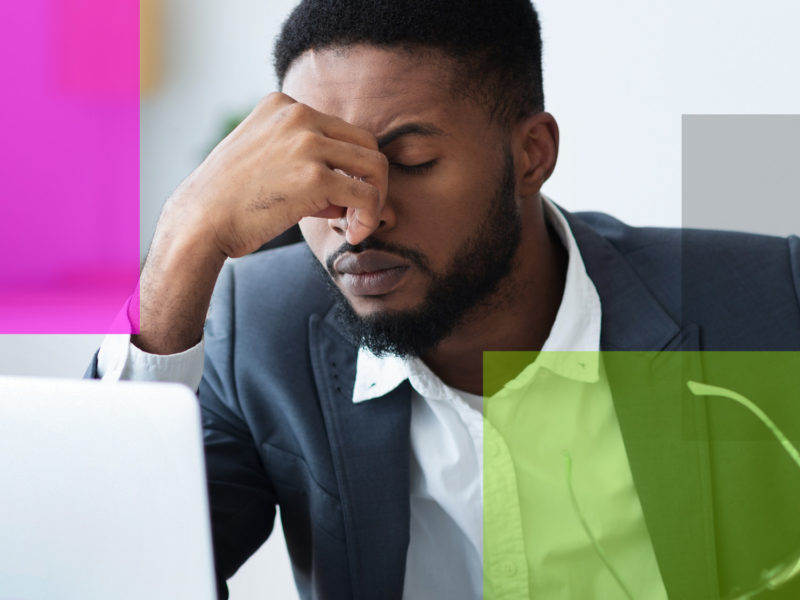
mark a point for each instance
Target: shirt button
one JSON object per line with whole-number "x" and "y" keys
{"x": 507, "y": 568}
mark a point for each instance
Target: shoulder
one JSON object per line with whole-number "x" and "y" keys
{"x": 721, "y": 255}
{"x": 630, "y": 240}
{"x": 719, "y": 278}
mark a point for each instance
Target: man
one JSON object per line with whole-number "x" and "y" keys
{"x": 410, "y": 143}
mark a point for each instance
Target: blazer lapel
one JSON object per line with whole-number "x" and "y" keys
{"x": 369, "y": 444}
{"x": 649, "y": 358}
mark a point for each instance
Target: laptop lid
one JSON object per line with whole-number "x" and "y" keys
{"x": 102, "y": 492}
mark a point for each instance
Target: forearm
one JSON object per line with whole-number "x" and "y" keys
{"x": 175, "y": 291}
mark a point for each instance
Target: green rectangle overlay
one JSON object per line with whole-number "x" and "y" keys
{"x": 641, "y": 475}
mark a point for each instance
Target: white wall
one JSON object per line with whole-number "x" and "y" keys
{"x": 620, "y": 73}
{"x": 618, "y": 76}
{"x": 47, "y": 355}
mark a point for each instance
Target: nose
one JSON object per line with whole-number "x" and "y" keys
{"x": 387, "y": 219}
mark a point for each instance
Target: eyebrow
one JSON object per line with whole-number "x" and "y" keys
{"x": 423, "y": 129}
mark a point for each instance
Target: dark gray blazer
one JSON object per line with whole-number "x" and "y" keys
{"x": 281, "y": 429}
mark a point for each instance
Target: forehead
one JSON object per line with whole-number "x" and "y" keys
{"x": 376, "y": 88}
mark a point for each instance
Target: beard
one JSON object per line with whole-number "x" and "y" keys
{"x": 470, "y": 280}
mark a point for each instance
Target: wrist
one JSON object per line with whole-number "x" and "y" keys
{"x": 175, "y": 291}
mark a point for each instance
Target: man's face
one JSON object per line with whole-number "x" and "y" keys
{"x": 450, "y": 225}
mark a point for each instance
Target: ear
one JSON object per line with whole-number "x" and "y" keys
{"x": 535, "y": 148}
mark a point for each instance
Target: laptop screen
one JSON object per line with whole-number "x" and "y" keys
{"x": 103, "y": 492}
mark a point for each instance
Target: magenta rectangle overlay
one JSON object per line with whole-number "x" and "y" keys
{"x": 69, "y": 165}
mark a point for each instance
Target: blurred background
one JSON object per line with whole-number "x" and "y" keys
{"x": 619, "y": 76}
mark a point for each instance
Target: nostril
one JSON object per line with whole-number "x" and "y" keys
{"x": 339, "y": 225}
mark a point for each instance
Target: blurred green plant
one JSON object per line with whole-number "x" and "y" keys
{"x": 230, "y": 122}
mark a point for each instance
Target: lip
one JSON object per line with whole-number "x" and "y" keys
{"x": 370, "y": 273}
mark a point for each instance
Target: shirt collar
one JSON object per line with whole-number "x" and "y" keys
{"x": 376, "y": 376}
{"x": 572, "y": 347}
{"x": 571, "y": 350}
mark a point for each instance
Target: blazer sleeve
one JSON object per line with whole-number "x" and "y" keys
{"x": 241, "y": 498}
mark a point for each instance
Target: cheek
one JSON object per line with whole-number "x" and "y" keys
{"x": 440, "y": 210}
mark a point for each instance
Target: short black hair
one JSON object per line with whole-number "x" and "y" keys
{"x": 496, "y": 45}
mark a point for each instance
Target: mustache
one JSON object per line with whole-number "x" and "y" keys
{"x": 413, "y": 256}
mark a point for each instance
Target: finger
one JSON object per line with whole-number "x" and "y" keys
{"x": 368, "y": 165}
{"x": 302, "y": 116}
{"x": 331, "y": 212}
{"x": 352, "y": 234}
{"x": 361, "y": 222}
{"x": 362, "y": 201}
{"x": 356, "y": 231}
{"x": 339, "y": 129}
{"x": 341, "y": 144}
{"x": 362, "y": 196}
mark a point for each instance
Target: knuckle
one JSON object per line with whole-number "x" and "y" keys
{"x": 297, "y": 113}
{"x": 322, "y": 202}
{"x": 307, "y": 140}
{"x": 315, "y": 174}
{"x": 275, "y": 98}
{"x": 272, "y": 102}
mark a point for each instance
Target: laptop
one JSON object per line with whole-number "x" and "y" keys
{"x": 102, "y": 492}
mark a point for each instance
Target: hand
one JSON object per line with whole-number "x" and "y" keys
{"x": 282, "y": 163}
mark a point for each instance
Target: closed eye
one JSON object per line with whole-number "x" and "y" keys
{"x": 415, "y": 169}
